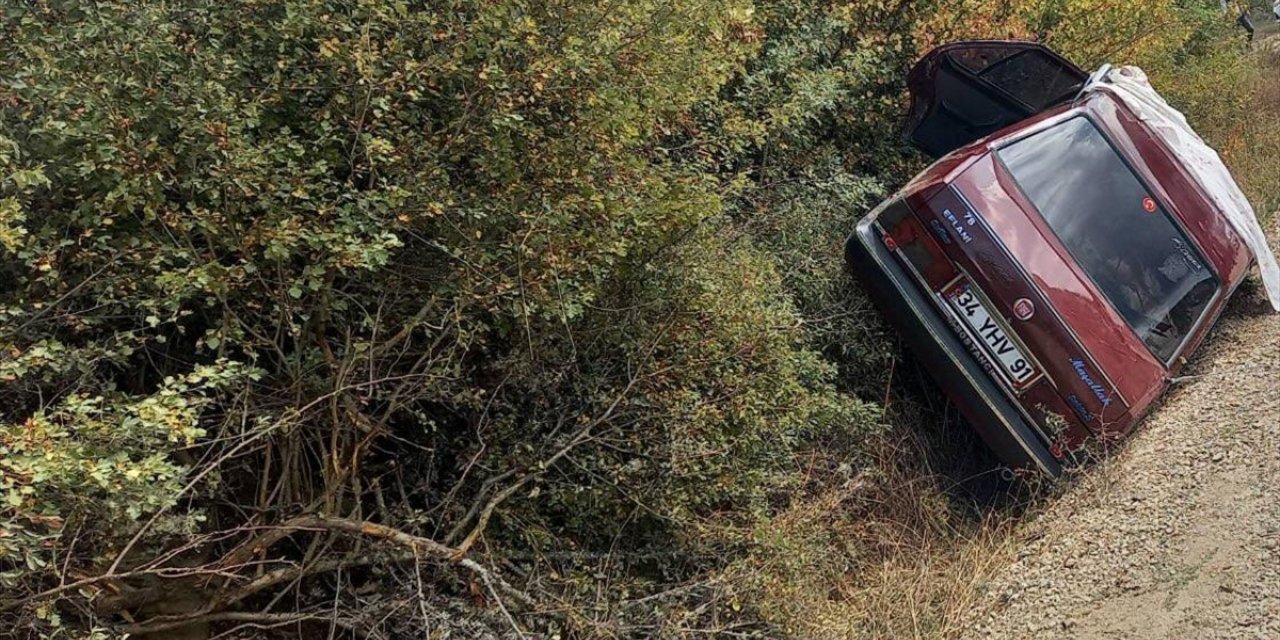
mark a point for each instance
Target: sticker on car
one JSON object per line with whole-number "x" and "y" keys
{"x": 1024, "y": 309}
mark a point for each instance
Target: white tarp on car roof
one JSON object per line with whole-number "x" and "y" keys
{"x": 1130, "y": 85}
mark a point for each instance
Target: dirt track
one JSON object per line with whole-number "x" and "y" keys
{"x": 1177, "y": 536}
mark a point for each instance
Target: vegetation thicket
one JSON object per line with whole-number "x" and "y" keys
{"x": 482, "y": 317}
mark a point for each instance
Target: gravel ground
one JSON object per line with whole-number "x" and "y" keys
{"x": 1178, "y": 535}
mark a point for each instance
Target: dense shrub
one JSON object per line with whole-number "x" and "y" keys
{"x": 545, "y": 290}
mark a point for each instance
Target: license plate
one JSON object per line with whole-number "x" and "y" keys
{"x": 986, "y": 331}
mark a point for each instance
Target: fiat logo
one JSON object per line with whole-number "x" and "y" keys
{"x": 1024, "y": 309}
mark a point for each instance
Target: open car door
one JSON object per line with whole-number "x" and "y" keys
{"x": 963, "y": 91}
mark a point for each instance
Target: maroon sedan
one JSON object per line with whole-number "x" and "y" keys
{"x": 1057, "y": 264}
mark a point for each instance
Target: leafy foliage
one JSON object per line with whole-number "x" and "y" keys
{"x": 530, "y": 280}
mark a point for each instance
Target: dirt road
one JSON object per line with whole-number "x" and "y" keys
{"x": 1177, "y": 536}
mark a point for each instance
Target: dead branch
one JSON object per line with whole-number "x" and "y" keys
{"x": 580, "y": 436}
{"x": 417, "y": 546}
{"x": 248, "y": 617}
{"x": 290, "y": 574}
{"x": 426, "y": 546}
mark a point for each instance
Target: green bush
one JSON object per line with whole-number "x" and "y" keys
{"x": 287, "y": 255}
{"x": 556, "y": 287}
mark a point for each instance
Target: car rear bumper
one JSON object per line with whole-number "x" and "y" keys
{"x": 1000, "y": 424}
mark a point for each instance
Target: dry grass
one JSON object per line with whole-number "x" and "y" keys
{"x": 1235, "y": 105}
{"x": 900, "y": 551}
{"x": 1255, "y": 156}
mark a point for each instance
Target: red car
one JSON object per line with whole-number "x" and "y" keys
{"x": 1057, "y": 264}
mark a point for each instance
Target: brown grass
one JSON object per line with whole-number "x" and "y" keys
{"x": 1254, "y": 155}
{"x": 894, "y": 552}
{"x": 1234, "y": 103}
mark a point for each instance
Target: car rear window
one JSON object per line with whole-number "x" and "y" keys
{"x": 1115, "y": 229}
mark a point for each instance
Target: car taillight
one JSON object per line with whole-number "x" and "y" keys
{"x": 904, "y": 234}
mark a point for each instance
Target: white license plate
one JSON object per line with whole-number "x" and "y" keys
{"x": 984, "y": 328}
